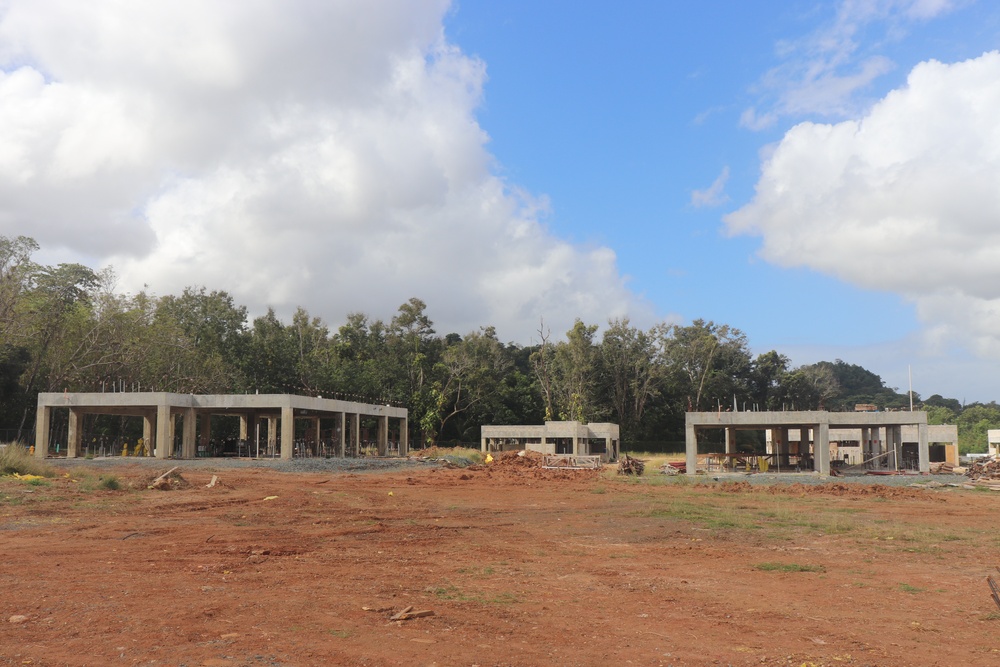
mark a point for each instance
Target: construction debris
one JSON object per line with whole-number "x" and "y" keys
{"x": 673, "y": 468}
{"x": 994, "y": 589}
{"x": 215, "y": 478}
{"x": 984, "y": 469}
{"x": 169, "y": 480}
{"x": 408, "y": 613}
{"x": 630, "y": 466}
{"x": 571, "y": 461}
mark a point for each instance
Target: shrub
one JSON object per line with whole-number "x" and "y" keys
{"x": 110, "y": 483}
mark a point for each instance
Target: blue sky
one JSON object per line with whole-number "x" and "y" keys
{"x": 822, "y": 175}
{"x": 619, "y": 115}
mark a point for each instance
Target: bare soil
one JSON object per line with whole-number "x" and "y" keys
{"x": 519, "y": 565}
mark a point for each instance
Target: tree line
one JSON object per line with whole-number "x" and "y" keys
{"x": 66, "y": 328}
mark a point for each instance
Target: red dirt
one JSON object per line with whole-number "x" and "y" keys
{"x": 521, "y": 566}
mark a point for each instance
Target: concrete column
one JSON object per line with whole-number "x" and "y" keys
{"x": 690, "y": 448}
{"x": 148, "y": 428}
{"x": 356, "y": 434}
{"x": 74, "y": 434}
{"x": 784, "y": 451}
{"x": 189, "y": 446}
{"x": 923, "y": 450}
{"x": 164, "y": 444}
{"x": 243, "y": 427}
{"x": 341, "y": 434}
{"x": 731, "y": 440}
{"x": 383, "y": 435}
{"x": 205, "y": 436}
{"x": 897, "y": 446}
{"x": 404, "y": 437}
{"x": 318, "y": 434}
{"x": 287, "y": 432}
{"x": 865, "y": 444}
{"x": 173, "y": 433}
{"x": 43, "y": 421}
{"x": 272, "y": 435}
{"x": 821, "y": 448}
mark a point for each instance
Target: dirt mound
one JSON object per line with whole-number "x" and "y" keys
{"x": 525, "y": 465}
{"x": 522, "y": 460}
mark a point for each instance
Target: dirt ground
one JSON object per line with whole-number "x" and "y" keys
{"x": 519, "y": 565}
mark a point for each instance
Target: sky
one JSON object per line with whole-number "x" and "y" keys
{"x": 824, "y": 176}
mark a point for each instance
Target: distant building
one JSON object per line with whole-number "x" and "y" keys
{"x": 993, "y": 441}
{"x": 555, "y": 437}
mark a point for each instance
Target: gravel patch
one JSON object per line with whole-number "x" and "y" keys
{"x": 356, "y": 465}
{"x": 312, "y": 465}
{"x": 814, "y": 478}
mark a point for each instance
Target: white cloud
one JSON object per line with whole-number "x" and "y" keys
{"x": 316, "y": 154}
{"x": 906, "y": 199}
{"x": 827, "y": 72}
{"x": 713, "y": 195}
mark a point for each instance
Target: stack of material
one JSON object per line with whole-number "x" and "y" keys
{"x": 630, "y": 466}
{"x": 984, "y": 469}
{"x": 985, "y": 472}
{"x": 673, "y": 468}
{"x": 942, "y": 468}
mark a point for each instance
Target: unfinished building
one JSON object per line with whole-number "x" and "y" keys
{"x": 852, "y": 447}
{"x": 880, "y": 438}
{"x": 555, "y": 437}
{"x": 267, "y": 423}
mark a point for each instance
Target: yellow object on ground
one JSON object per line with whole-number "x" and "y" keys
{"x": 489, "y": 458}
{"x": 27, "y": 478}
{"x": 762, "y": 463}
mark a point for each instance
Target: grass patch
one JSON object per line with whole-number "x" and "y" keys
{"x": 109, "y": 483}
{"x": 451, "y": 592}
{"x": 460, "y": 456}
{"x": 906, "y": 588}
{"x": 14, "y": 458}
{"x": 788, "y": 567}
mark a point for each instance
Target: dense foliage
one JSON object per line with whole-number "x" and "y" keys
{"x": 67, "y": 328}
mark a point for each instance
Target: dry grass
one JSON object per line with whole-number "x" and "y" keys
{"x": 14, "y": 458}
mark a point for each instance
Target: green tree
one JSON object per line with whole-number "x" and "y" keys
{"x": 634, "y": 372}
{"x": 577, "y": 362}
{"x": 470, "y": 374}
{"x": 710, "y": 363}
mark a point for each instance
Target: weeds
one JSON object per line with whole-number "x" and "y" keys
{"x": 109, "y": 483}
{"x": 788, "y": 567}
{"x": 14, "y": 458}
{"x": 906, "y": 588}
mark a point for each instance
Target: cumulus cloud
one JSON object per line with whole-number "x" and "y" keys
{"x": 905, "y": 199}
{"x": 298, "y": 153}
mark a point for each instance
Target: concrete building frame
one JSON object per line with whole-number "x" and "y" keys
{"x": 814, "y": 423}
{"x": 855, "y": 443}
{"x": 554, "y": 437}
{"x": 160, "y": 410}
